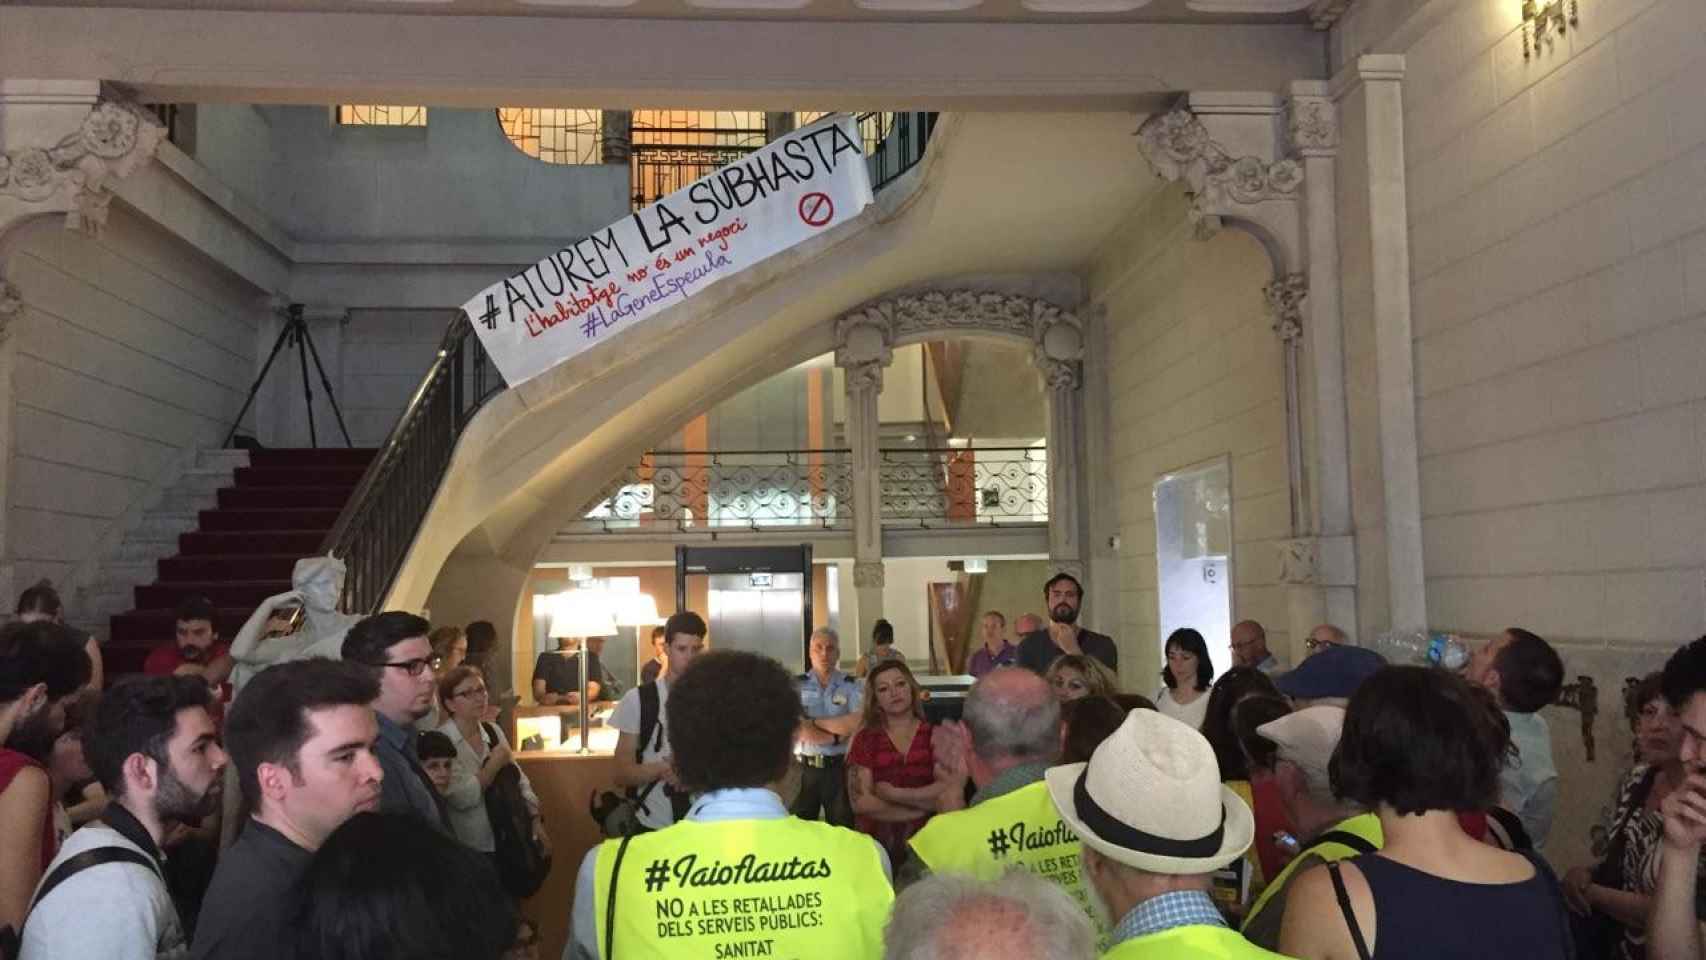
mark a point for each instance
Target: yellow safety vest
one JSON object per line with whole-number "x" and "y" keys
{"x": 1021, "y": 828}
{"x": 1191, "y": 942}
{"x": 714, "y": 890}
{"x": 1364, "y": 825}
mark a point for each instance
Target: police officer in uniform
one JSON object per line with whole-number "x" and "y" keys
{"x": 832, "y": 703}
{"x": 738, "y": 877}
{"x": 1156, "y": 824}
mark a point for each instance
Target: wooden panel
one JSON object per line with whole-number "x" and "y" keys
{"x": 563, "y": 782}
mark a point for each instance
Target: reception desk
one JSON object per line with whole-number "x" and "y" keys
{"x": 565, "y": 780}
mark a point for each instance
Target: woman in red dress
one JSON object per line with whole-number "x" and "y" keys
{"x": 891, "y": 769}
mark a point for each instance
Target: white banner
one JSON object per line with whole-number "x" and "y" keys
{"x": 721, "y": 224}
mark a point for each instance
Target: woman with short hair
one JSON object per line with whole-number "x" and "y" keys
{"x": 1418, "y": 746}
{"x": 481, "y": 753}
{"x": 1187, "y": 676}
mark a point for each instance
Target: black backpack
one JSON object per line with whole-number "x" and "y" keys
{"x": 522, "y": 864}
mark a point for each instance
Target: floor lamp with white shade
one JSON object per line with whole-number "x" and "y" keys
{"x": 583, "y": 614}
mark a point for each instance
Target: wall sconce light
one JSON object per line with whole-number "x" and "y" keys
{"x": 1538, "y": 19}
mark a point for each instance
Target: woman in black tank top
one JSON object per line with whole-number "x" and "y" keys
{"x": 1419, "y": 745}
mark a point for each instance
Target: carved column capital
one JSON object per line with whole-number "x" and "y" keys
{"x": 1058, "y": 352}
{"x": 74, "y": 173}
{"x": 1285, "y": 302}
{"x": 868, "y": 573}
{"x": 1312, "y": 125}
{"x": 1181, "y": 148}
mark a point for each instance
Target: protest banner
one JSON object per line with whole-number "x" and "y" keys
{"x": 597, "y": 288}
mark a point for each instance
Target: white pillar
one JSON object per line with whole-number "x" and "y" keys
{"x": 862, "y": 356}
{"x": 1059, "y": 356}
{"x": 1313, "y": 130}
{"x": 1371, "y": 86}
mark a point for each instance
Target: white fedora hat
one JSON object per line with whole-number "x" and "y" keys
{"x": 1151, "y": 798}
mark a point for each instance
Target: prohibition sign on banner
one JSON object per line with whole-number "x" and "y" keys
{"x": 816, "y": 209}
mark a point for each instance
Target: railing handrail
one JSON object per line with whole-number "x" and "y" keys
{"x": 421, "y": 456}
{"x": 805, "y": 451}
{"x": 1011, "y": 449}
{"x": 458, "y": 328}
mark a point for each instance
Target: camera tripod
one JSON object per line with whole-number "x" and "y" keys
{"x": 295, "y": 333}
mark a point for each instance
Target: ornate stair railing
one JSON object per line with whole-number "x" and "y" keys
{"x": 378, "y": 524}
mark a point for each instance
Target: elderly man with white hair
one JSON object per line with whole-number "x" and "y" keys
{"x": 1015, "y": 916}
{"x": 1293, "y": 751}
{"x": 1156, "y": 823}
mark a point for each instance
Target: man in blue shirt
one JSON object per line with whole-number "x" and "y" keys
{"x": 832, "y": 703}
{"x": 394, "y": 646}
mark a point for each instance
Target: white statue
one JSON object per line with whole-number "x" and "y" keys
{"x": 318, "y": 583}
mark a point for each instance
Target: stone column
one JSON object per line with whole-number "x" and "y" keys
{"x": 616, "y": 133}
{"x": 1371, "y": 88}
{"x": 1329, "y": 592}
{"x": 1059, "y": 354}
{"x": 862, "y": 356}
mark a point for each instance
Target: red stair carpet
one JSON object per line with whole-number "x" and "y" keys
{"x": 243, "y": 550}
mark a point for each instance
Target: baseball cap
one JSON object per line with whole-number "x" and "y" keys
{"x": 1335, "y": 672}
{"x": 1307, "y": 738}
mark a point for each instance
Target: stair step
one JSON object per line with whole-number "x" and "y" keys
{"x": 288, "y": 518}
{"x": 223, "y": 593}
{"x": 189, "y": 502}
{"x": 272, "y": 497}
{"x": 140, "y": 630}
{"x": 162, "y": 524}
{"x": 119, "y": 576}
{"x": 226, "y": 566}
{"x": 203, "y": 481}
{"x": 136, "y": 548}
{"x": 302, "y": 543}
{"x": 309, "y": 457}
{"x": 311, "y": 476}
{"x": 222, "y": 459}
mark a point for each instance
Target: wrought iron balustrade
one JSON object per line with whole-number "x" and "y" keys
{"x": 378, "y": 523}
{"x": 700, "y": 490}
{"x": 960, "y": 486}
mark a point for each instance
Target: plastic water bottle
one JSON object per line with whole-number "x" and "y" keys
{"x": 1445, "y": 650}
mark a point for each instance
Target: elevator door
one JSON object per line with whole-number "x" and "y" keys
{"x": 759, "y": 612}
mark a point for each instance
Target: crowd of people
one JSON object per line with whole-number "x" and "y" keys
{"x": 1340, "y": 809}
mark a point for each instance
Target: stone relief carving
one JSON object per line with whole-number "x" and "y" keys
{"x": 1312, "y": 124}
{"x": 112, "y": 140}
{"x": 11, "y": 307}
{"x": 1285, "y": 301}
{"x": 1180, "y": 148}
{"x": 1300, "y": 561}
{"x": 867, "y": 573}
{"x": 866, "y": 334}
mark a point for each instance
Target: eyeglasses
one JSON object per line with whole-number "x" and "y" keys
{"x": 417, "y": 666}
{"x": 470, "y": 692}
{"x": 1313, "y": 644}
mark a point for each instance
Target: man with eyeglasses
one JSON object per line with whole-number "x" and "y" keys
{"x": 1324, "y": 636}
{"x": 395, "y": 645}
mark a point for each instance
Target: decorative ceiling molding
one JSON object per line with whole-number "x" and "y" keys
{"x": 74, "y": 176}
{"x": 1267, "y": 7}
{"x": 1325, "y": 13}
{"x": 1084, "y": 6}
{"x": 1179, "y": 148}
{"x": 865, "y": 337}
